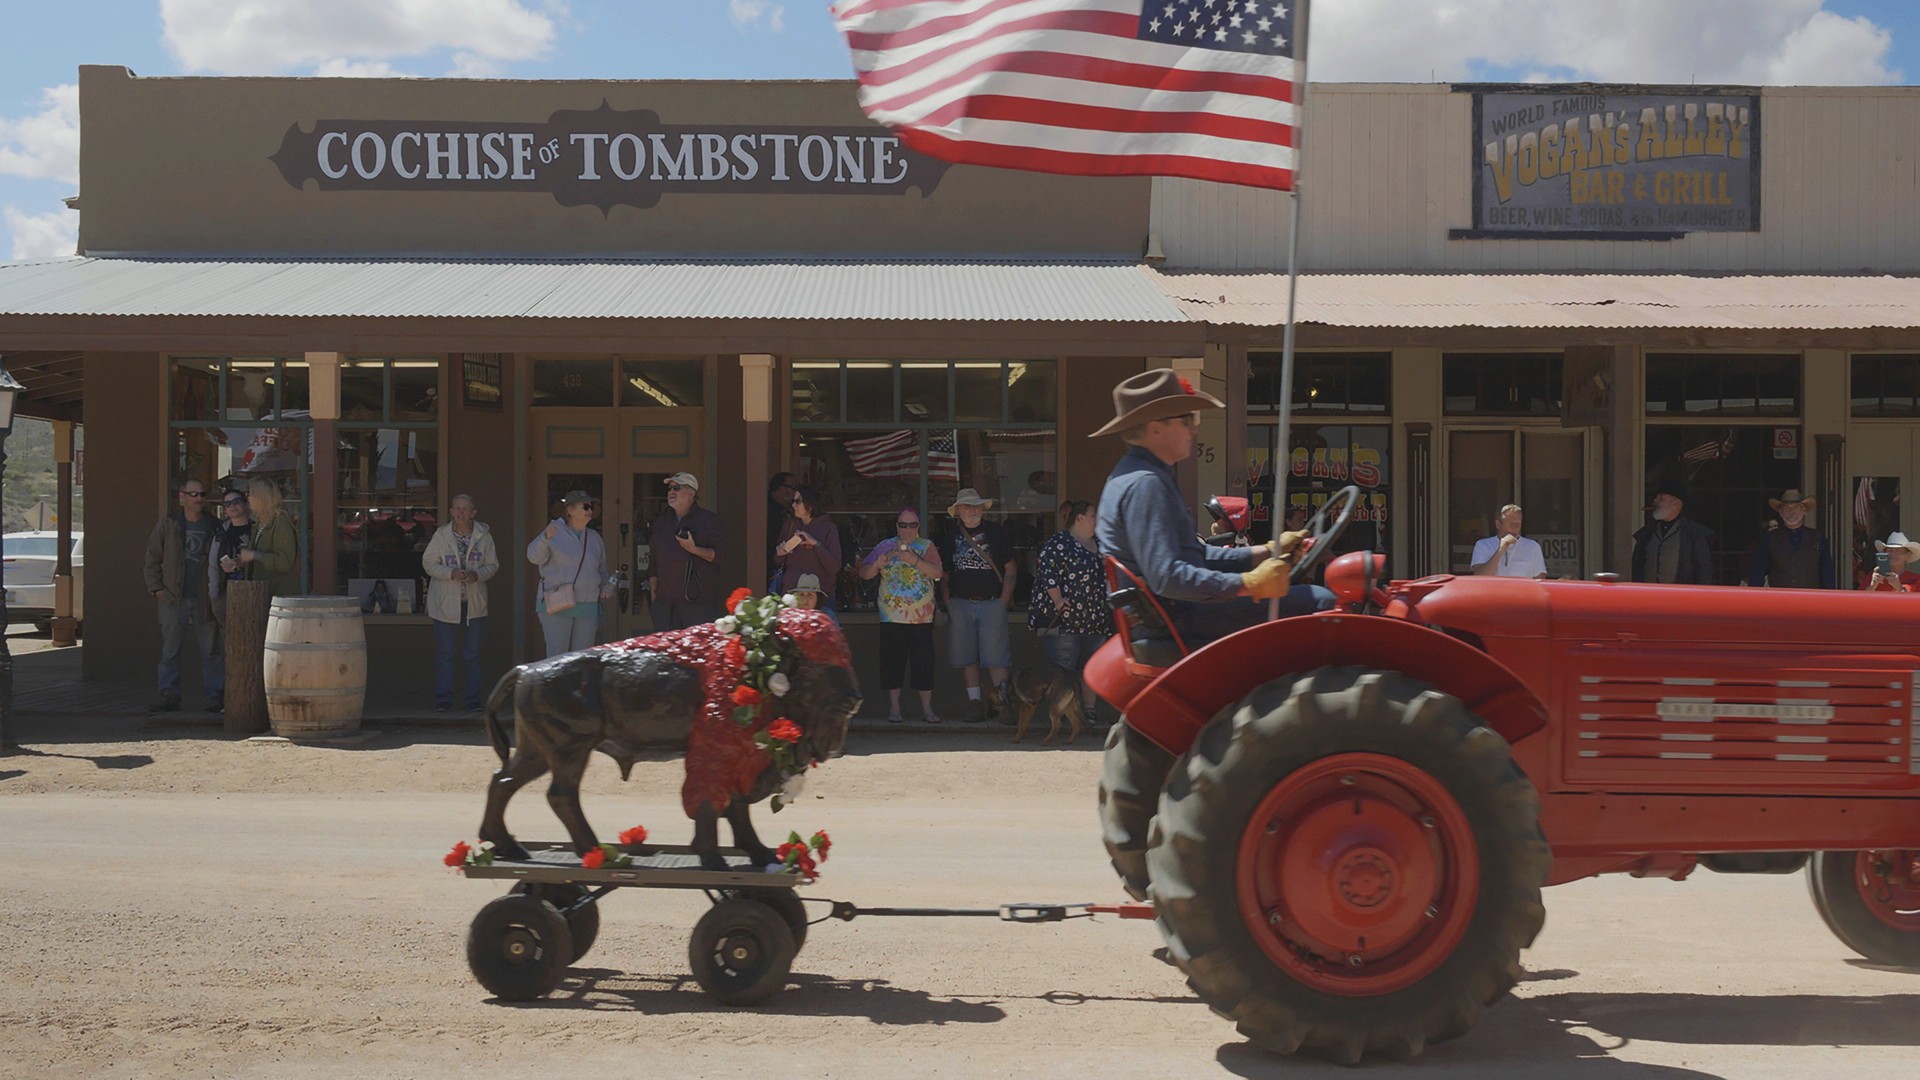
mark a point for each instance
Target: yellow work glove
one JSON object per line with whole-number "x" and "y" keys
{"x": 1288, "y": 541}
{"x": 1269, "y": 580}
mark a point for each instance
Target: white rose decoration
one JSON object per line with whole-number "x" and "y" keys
{"x": 790, "y": 600}
{"x": 726, "y": 624}
{"x": 778, "y": 684}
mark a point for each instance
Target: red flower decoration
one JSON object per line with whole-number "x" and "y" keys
{"x": 458, "y": 856}
{"x": 593, "y": 860}
{"x": 734, "y": 598}
{"x": 1185, "y": 386}
{"x": 635, "y": 835}
{"x": 745, "y": 695}
{"x": 821, "y": 843}
{"x": 735, "y": 653}
{"x": 784, "y": 729}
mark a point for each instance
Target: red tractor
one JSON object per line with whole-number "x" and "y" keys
{"x": 1344, "y": 820}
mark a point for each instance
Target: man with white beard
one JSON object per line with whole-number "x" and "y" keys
{"x": 1672, "y": 549}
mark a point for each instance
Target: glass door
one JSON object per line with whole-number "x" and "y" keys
{"x": 1543, "y": 470}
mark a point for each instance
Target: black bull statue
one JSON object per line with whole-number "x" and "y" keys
{"x": 660, "y": 693}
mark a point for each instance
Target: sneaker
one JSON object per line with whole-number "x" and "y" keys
{"x": 444, "y": 706}
{"x": 217, "y": 703}
{"x": 977, "y": 711}
{"x": 166, "y": 703}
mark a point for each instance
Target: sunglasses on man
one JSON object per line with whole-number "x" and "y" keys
{"x": 192, "y": 494}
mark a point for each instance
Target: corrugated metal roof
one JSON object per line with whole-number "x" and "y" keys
{"x": 1609, "y": 301}
{"x": 970, "y": 290}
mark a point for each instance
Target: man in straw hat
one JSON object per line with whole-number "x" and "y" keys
{"x": 1146, "y": 524}
{"x": 1672, "y": 549}
{"x": 1793, "y": 556}
{"x": 1901, "y": 553}
{"x": 981, "y": 572}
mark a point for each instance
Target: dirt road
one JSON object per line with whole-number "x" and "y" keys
{"x": 198, "y": 907}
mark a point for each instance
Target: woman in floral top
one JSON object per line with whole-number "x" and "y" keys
{"x": 1068, "y": 608}
{"x": 907, "y": 565}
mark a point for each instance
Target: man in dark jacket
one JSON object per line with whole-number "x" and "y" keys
{"x": 1672, "y": 549}
{"x": 1793, "y": 556}
{"x": 176, "y": 575}
{"x": 686, "y": 553}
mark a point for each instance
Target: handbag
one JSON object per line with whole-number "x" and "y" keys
{"x": 560, "y": 599}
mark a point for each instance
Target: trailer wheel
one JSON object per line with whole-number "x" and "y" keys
{"x": 1348, "y": 863}
{"x": 1131, "y": 776}
{"x": 784, "y": 904}
{"x": 518, "y": 947}
{"x": 1871, "y": 902}
{"x": 583, "y": 924}
{"x": 741, "y": 952}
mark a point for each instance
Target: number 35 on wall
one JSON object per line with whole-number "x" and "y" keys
{"x": 1203, "y": 453}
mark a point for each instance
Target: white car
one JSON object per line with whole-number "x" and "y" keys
{"x": 30, "y": 558}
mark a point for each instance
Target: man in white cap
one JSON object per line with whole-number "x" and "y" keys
{"x": 1793, "y": 556}
{"x": 686, "y": 547}
{"x": 1147, "y": 524}
{"x": 1901, "y": 553}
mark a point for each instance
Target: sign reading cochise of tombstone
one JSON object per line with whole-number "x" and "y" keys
{"x": 1591, "y": 162}
{"x": 602, "y": 157}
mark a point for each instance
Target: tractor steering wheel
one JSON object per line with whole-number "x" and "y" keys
{"x": 1322, "y": 531}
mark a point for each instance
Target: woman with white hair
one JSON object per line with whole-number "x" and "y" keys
{"x": 274, "y": 554}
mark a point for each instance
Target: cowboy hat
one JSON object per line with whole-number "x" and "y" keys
{"x": 1788, "y": 498}
{"x": 1898, "y": 540}
{"x": 1159, "y": 394}
{"x": 807, "y": 583}
{"x": 968, "y": 497}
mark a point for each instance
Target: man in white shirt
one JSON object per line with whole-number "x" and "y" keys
{"x": 1506, "y": 553}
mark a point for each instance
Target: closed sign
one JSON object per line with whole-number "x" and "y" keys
{"x": 1562, "y": 554}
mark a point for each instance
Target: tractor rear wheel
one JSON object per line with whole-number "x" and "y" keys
{"x": 1871, "y": 902}
{"x": 1348, "y": 863}
{"x": 1131, "y": 777}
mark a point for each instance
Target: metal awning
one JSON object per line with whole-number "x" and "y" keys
{"x": 1572, "y": 301}
{"x": 744, "y": 289}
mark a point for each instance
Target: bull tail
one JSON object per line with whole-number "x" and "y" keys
{"x": 502, "y": 697}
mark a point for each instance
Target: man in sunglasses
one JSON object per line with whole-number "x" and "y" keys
{"x": 686, "y": 548}
{"x": 177, "y": 577}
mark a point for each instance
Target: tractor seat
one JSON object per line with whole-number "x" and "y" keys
{"x": 1147, "y": 634}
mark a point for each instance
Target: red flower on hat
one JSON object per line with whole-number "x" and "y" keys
{"x": 1185, "y": 386}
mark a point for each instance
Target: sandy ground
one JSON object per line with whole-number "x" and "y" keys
{"x": 190, "y": 906}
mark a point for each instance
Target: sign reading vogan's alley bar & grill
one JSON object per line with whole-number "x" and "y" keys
{"x": 1600, "y": 162}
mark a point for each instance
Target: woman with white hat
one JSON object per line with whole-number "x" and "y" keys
{"x": 1901, "y": 552}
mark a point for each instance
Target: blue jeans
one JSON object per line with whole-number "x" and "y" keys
{"x": 1201, "y": 623}
{"x": 176, "y": 618}
{"x": 567, "y": 634}
{"x": 1070, "y": 652}
{"x": 447, "y": 637}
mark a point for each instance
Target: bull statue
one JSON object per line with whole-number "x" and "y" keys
{"x": 678, "y": 690}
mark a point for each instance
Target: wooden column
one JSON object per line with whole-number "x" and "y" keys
{"x": 756, "y": 408}
{"x": 1194, "y": 370}
{"x": 64, "y": 623}
{"x": 323, "y": 373}
{"x": 246, "y": 653}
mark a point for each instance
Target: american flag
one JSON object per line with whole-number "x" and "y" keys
{"x": 1193, "y": 88}
{"x": 896, "y": 455}
{"x": 1710, "y": 451}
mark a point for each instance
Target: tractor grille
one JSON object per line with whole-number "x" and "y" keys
{"x": 1844, "y": 721}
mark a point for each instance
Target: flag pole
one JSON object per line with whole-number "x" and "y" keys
{"x": 1281, "y": 466}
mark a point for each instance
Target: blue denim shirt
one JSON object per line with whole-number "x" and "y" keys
{"x": 1145, "y": 524}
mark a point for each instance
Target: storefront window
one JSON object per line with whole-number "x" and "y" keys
{"x": 1325, "y": 458}
{"x": 1729, "y": 471}
{"x": 572, "y": 383}
{"x": 866, "y": 472}
{"x": 1886, "y": 385}
{"x": 1501, "y": 384}
{"x": 387, "y": 502}
{"x": 216, "y": 406}
{"x": 1722, "y": 384}
{"x": 1323, "y": 383}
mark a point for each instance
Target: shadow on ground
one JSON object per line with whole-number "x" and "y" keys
{"x": 100, "y": 761}
{"x": 876, "y": 1000}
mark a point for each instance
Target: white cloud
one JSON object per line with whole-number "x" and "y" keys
{"x": 757, "y": 15}
{"x": 236, "y": 37}
{"x": 1656, "y": 41}
{"x": 36, "y": 236}
{"x": 44, "y": 145}
{"x": 342, "y": 68}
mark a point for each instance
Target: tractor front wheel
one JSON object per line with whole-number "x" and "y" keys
{"x": 1348, "y": 863}
{"x": 1871, "y": 902}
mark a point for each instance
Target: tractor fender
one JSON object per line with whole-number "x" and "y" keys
{"x": 1173, "y": 708}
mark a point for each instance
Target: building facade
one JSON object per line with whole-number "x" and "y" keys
{"x": 382, "y": 293}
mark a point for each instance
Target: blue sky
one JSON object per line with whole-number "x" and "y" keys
{"x": 43, "y": 45}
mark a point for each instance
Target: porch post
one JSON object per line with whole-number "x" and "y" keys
{"x": 63, "y": 620}
{"x": 323, "y": 371}
{"x": 756, "y": 408}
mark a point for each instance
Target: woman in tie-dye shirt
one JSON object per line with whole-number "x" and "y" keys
{"x": 907, "y": 565}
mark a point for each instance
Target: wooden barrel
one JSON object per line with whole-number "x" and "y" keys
{"x": 316, "y": 666}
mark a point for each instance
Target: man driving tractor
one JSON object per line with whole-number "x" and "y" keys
{"x": 1145, "y": 523}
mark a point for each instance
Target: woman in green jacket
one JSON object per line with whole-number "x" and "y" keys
{"x": 274, "y": 555}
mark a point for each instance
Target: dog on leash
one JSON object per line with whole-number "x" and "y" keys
{"x": 1050, "y": 689}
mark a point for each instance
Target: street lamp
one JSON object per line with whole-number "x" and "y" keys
{"x": 9, "y": 396}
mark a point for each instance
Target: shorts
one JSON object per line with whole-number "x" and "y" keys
{"x": 977, "y": 634}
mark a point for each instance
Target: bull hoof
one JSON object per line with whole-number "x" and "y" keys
{"x": 510, "y": 850}
{"x": 712, "y": 860}
{"x": 761, "y": 855}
